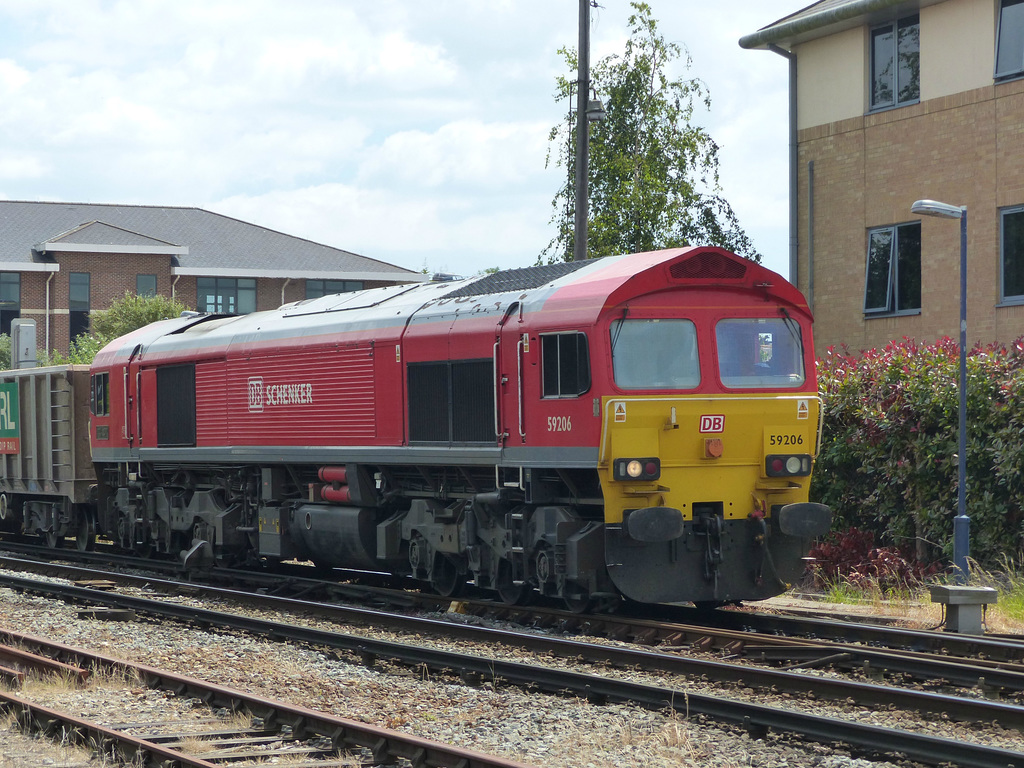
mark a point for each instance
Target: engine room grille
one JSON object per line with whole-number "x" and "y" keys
{"x": 451, "y": 402}
{"x": 429, "y": 419}
{"x": 176, "y": 405}
{"x": 707, "y": 265}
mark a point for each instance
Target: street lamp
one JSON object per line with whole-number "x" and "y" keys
{"x": 579, "y": 245}
{"x": 961, "y": 523}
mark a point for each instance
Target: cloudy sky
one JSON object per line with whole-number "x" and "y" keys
{"x": 409, "y": 131}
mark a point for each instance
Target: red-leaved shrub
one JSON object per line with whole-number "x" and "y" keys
{"x": 851, "y": 557}
{"x": 888, "y": 461}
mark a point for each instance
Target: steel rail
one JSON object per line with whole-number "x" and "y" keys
{"x": 110, "y": 742}
{"x": 997, "y": 648}
{"x": 24, "y": 660}
{"x": 595, "y": 687}
{"x": 382, "y": 743}
{"x": 687, "y": 622}
{"x": 991, "y": 676}
{"x": 984, "y": 674}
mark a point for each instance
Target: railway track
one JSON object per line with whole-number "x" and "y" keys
{"x": 271, "y": 731}
{"x": 649, "y": 625}
{"x": 966, "y": 662}
{"x": 473, "y": 668}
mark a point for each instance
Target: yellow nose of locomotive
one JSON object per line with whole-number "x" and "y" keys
{"x": 700, "y": 483}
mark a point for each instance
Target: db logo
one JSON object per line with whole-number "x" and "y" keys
{"x": 714, "y": 423}
{"x": 255, "y": 393}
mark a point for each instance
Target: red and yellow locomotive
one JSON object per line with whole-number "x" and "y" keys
{"x": 640, "y": 425}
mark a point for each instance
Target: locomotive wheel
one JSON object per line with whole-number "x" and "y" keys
{"x": 509, "y": 592}
{"x": 52, "y": 540}
{"x": 445, "y": 579}
{"x": 544, "y": 569}
{"x": 144, "y": 549}
{"x": 577, "y": 599}
{"x": 85, "y": 537}
{"x": 124, "y": 531}
{"x": 418, "y": 549}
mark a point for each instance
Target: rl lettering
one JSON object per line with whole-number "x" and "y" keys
{"x": 7, "y": 419}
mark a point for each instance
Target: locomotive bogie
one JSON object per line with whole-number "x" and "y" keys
{"x": 51, "y": 519}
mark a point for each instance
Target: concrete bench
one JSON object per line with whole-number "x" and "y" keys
{"x": 964, "y": 606}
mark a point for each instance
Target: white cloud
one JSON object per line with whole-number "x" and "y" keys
{"x": 12, "y": 77}
{"x": 467, "y": 152}
{"x": 452, "y": 234}
{"x": 21, "y": 167}
{"x": 399, "y": 129}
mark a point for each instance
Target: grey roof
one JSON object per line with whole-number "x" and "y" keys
{"x": 203, "y": 242}
{"x": 828, "y": 17}
{"x": 100, "y": 233}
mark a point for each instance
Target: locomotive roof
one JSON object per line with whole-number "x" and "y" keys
{"x": 575, "y": 292}
{"x": 517, "y": 279}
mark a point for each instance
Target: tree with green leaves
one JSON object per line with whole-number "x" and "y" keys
{"x": 131, "y": 312}
{"x": 653, "y": 176}
{"x": 124, "y": 315}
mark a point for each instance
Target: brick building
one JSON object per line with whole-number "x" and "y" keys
{"x": 61, "y": 261}
{"x": 894, "y": 101}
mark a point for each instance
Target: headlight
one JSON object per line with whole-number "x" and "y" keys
{"x": 636, "y": 469}
{"x": 798, "y": 465}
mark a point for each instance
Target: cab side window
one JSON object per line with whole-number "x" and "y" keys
{"x": 565, "y": 358}
{"x": 100, "y": 400}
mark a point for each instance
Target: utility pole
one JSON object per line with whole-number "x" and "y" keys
{"x": 579, "y": 245}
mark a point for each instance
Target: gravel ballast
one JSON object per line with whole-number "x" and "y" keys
{"x": 536, "y": 729}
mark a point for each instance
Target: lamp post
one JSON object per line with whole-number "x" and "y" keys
{"x": 579, "y": 249}
{"x": 961, "y": 523}
{"x": 588, "y": 110}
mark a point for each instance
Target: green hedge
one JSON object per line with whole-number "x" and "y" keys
{"x": 888, "y": 461}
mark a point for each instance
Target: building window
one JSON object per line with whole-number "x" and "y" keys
{"x": 317, "y": 288}
{"x": 145, "y": 285}
{"x": 234, "y": 296}
{"x": 1011, "y": 248}
{"x": 1010, "y": 39}
{"x": 895, "y": 63}
{"x": 566, "y": 364}
{"x": 893, "y": 283}
{"x": 10, "y": 300}
{"x": 78, "y": 303}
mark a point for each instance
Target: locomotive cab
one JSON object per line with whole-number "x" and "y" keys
{"x": 708, "y": 438}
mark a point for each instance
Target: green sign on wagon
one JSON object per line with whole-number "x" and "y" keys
{"x": 10, "y": 432}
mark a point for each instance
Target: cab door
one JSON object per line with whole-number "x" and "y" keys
{"x": 511, "y": 344}
{"x": 132, "y": 388}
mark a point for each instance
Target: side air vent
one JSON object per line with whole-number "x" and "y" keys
{"x": 708, "y": 265}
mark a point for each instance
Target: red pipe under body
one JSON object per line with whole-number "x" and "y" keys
{"x": 340, "y": 495}
{"x": 333, "y": 474}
